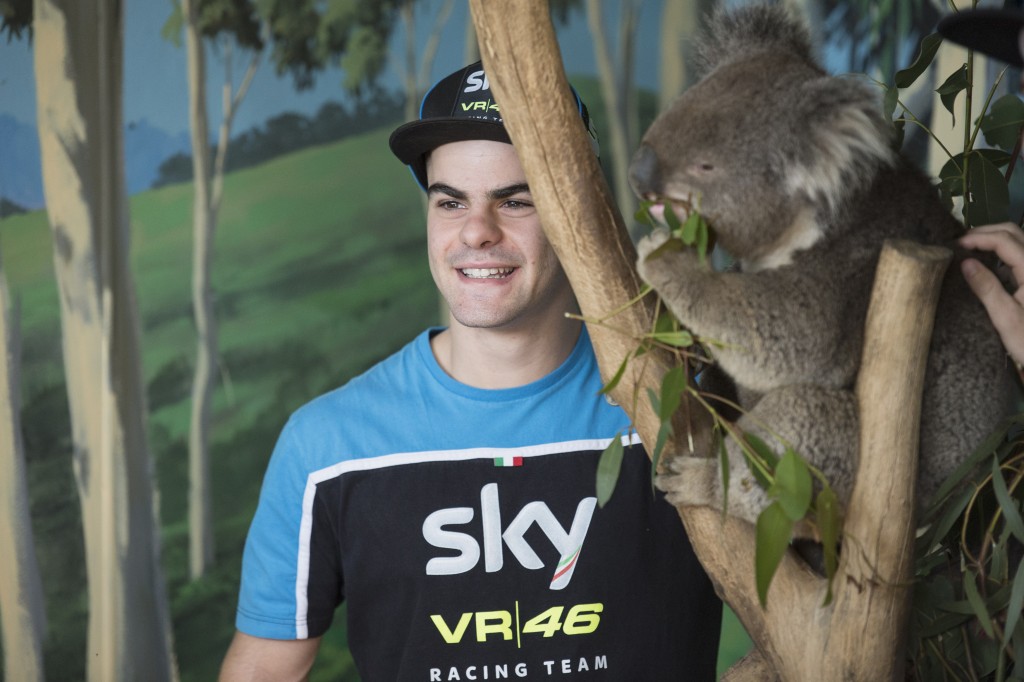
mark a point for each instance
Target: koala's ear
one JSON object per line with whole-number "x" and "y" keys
{"x": 845, "y": 140}
{"x": 738, "y": 34}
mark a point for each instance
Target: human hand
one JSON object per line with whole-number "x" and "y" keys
{"x": 1006, "y": 311}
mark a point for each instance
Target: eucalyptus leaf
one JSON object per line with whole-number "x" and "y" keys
{"x": 977, "y": 603}
{"x": 679, "y": 339}
{"x": 1001, "y": 125}
{"x": 608, "y": 467}
{"x": 792, "y": 485}
{"x": 929, "y": 46}
{"x": 643, "y": 214}
{"x": 989, "y": 197}
{"x": 723, "y": 462}
{"x": 671, "y": 219}
{"x": 982, "y": 452}
{"x": 688, "y": 233}
{"x": 1008, "y": 505}
{"x": 773, "y": 530}
{"x": 953, "y": 86}
{"x": 672, "y": 386}
{"x": 1015, "y": 606}
{"x": 889, "y": 102}
{"x": 614, "y": 381}
{"x": 830, "y": 524}
{"x": 670, "y": 244}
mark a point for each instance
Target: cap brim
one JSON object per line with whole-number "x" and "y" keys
{"x": 412, "y": 141}
{"x": 994, "y": 32}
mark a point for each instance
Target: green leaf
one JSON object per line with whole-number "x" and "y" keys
{"x": 982, "y": 452}
{"x": 679, "y": 339}
{"x": 171, "y": 30}
{"x": 608, "y": 468}
{"x": 672, "y": 386}
{"x": 688, "y": 233}
{"x": 953, "y": 86}
{"x": 889, "y": 102}
{"x": 988, "y": 199}
{"x": 670, "y": 244}
{"x": 703, "y": 237}
{"x": 773, "y": 531}
{"x": 614, "y": 381}
{"x": 1014, "y": 522}
{"x": 723, "y": 462}
{"x": 977, "y": 603}
{"x": 666, "y": 322}
{"x": 830, "y": 524}
{"x": 765, "y": 454}
{"x": 1001, "y": 126}
{"x": 929, "y": 46}
{"x": 671, "y": 219}
{"x": 1014, "y": 606}
{"x": 643, "y": 214}
{"x": 792, "y": 486}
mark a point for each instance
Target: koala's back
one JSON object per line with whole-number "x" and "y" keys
{"x": 968, "y": 383}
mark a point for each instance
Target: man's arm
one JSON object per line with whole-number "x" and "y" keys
{"x": 255, "y": 659}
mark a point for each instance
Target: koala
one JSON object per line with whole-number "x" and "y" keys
{"x": 795, "y": 172}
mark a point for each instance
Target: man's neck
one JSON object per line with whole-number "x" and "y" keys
{"x": 503, "y": 358}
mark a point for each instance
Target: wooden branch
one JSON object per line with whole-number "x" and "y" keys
{"x": 860, "y": 636}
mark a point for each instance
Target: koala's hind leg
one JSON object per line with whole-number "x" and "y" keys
{"x": 819, "y": 423}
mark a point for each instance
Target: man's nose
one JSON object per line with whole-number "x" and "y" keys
{"x": 480, "y": 230}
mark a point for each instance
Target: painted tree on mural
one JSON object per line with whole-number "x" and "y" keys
{"x": 21, "y": 591}
{"x": 304, "y": 38}
{"x": 78, "y": 53}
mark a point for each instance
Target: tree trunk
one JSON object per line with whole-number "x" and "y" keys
{"x": 860, "y": 635}
{"x": 679, "y": 24}
{"x": 22, "y": 612}
{"x": 613, "y": 106}
{"x": 78, "y": 65}
{"x": 203, "y": 382}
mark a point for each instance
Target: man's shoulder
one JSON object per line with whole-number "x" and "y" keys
{"x": 382, "y": 383}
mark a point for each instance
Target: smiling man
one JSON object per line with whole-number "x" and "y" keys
{"x": 447, "y": 495}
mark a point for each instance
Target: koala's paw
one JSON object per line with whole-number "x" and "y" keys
{"x": 663, "y": 270}
{"x": 691, "y": 482}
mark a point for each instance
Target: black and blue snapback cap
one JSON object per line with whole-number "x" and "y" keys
{"x": 459, "y": 107}
{"x": 994, "y": 32}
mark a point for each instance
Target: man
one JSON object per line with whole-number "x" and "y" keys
{"x": 447, "y": 495}
{"x": 998, "y": 33}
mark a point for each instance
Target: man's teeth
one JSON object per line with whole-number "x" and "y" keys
{"x": 485, "y": 273}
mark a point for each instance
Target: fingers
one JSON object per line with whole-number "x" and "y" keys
{"x": 1005, "y": 311}
{"x": 1005, "y": 239}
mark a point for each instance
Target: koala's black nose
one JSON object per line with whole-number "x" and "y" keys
{"x": 644, "y": 172}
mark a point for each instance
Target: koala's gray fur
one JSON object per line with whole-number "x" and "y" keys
{"x": 794, "y": 171}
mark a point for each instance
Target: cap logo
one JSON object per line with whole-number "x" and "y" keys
{"x": 481, "y": 105}
{"x": 474, "y": 82}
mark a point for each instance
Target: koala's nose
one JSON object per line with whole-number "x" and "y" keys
{"x": 644, "y": 173}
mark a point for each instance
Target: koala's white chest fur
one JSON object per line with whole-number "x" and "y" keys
{"x": 803, "y": 233}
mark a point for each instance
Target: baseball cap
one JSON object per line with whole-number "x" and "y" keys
{"x": 994, "y": 32}
{"x": 459, "y": 107}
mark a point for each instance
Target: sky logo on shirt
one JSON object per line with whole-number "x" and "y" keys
{"x": 438, "y": 531}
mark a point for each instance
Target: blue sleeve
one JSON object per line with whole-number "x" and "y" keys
{"x": 272, "y": 597}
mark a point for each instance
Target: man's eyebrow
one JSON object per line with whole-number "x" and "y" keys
{"x": 499, "y": 193}
{"x": 506, "y": 192}
{"x": 441, "y": 188}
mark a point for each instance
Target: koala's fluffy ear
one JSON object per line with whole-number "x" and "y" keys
{"x": 846, "y": 140}
{"x": 736, "y": 35}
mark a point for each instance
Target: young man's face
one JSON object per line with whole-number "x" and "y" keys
{"x": 488, "y": 254}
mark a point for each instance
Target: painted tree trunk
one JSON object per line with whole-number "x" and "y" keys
{"x": 78, "y": 52}
{"x": 617, "y": 124}
{"x": 22, "y": 612}
{"x": 861, "y": 634}
{"x": 200, "y": 523}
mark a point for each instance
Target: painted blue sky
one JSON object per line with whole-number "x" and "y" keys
{"x": 155, "y": 81}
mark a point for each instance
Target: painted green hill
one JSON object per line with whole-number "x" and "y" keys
{"x": 320, "y": 271}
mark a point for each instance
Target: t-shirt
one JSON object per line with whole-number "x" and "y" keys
{"x": 461, "y": 527}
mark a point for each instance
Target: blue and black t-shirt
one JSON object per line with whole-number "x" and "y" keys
{"x": 461, "y": 527}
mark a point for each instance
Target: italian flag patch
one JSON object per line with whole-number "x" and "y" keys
{"x": 508, "y": 461}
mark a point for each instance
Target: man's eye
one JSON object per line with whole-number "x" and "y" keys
{"x": 517, "y": 204}
{"x": 448, "y": 205}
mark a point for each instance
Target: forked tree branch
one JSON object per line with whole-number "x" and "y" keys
{"x": 860, "y": 635}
